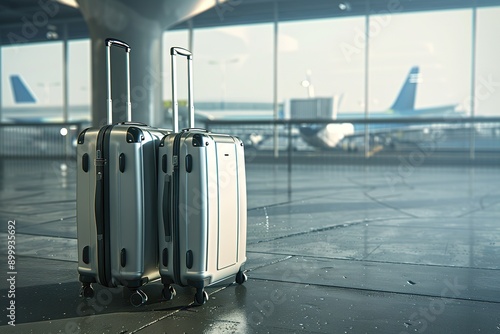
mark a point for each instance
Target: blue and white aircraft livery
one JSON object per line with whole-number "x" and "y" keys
{"x": 323, "y": 136}
{"x": 331, "y": 135}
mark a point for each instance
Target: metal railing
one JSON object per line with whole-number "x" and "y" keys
{"x": 39, "y": 140}
{"x": 440, "y": 140}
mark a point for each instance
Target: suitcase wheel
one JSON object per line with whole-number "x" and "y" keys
{"x": 168, "y": 293}
{"x": 241, "y": 277}
{"x": 138, "y": 298}
{"x": 201, "y": 297}
{"x": 87, "y": 291}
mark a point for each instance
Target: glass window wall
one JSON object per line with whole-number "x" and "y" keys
{"x": 234, "y": 64}
{"x": 323, "y": 58}
{"x": 79, "y": 80}
{"x": 438, "y": 43}
{"x": 487, "y": 89}
{"x": 32, "y": 70}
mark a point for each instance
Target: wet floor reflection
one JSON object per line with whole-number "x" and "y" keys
{"x": 330, "y": 249}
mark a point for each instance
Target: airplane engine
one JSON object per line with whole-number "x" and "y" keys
{"x": 332, "y": 134}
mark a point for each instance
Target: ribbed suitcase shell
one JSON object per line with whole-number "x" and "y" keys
{"x": 202, "y": 209}
{"x": 116, "y": 198}
{"x": 128, "y": 253}
{"x": 202, "y": 202}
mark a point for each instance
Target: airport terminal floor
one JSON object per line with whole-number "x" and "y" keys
{"x": 331, "y": 249}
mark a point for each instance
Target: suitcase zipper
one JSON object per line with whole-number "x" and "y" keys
{"x": 101, "y": 202}
{"x": 175, "y": 209}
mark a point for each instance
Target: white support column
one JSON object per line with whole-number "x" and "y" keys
{"x": 1, "y": 97}
{"x": 472, "y": 135}
{"x": 65, "y": 74}
{"x": 190, "y": 36}
{"x": 367, "y": 64}
{"x": 1, "y": 75}
{"x": 141, "y": 25}
{"x": 275, "y": 82}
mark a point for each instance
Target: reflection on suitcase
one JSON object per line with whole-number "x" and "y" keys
{"x": 116, "y": 202}
{"x": 202, "y": 204}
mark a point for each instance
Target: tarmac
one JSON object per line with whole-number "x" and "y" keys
{"x": 331, "y": 249}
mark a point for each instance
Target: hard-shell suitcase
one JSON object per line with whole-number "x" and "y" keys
{"x": 202, "y": 204}
{"x": 116, "y": 201}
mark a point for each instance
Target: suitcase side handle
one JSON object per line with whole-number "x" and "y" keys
{"x": 166, "y": 209}
{"x": 109, "y": 43}
{"x": 174, "y": 51}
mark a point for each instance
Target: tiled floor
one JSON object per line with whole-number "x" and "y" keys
{"x": 331, "y": 249}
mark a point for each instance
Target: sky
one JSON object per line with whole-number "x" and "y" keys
{"x": 236, "y": 63}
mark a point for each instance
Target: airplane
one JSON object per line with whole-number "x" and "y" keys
{"x": 28, "y": 110}
{"x": 324, "y": 136}
{"x": 21, "y": 92}
{"x": 347, "y": 135}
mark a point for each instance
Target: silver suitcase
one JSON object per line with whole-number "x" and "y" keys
{"x": 116, "y": 202}
{"x": 202, "y": 204}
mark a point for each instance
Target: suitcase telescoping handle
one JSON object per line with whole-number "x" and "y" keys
{"x": 109, "y": 43}
{"x": 174, "y": 52}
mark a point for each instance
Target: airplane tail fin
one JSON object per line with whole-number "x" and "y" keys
{"x": 406, "y": 98}
{"x": 22, "y": 93}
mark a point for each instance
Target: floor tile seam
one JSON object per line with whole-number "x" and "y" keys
{"x": 380, "y": 291}
{"x": 39, "y": 235}
{"x": 293, "y": 201}
{"x": 42, "y": 258}
{"x": 48, "y": 203}
{"x": 373, "y": 199}
{"x": 371, "y": 252}
{"x": 184, "y": 308}
{"x": 19, "y": 213}
{"x": 492, "y": 194}
{"x": 480, "y": 209}
{"x": 63, "y": 201}
{"x": 285, "y": 258}
{"x": 373, "y": 261}
{"x": 20, "y": 197}
{"x": 406, "y": 226}
{"x": 325, "y": 228}
{"x": 187, "y": 315}
{"x": 50, "y": 221}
